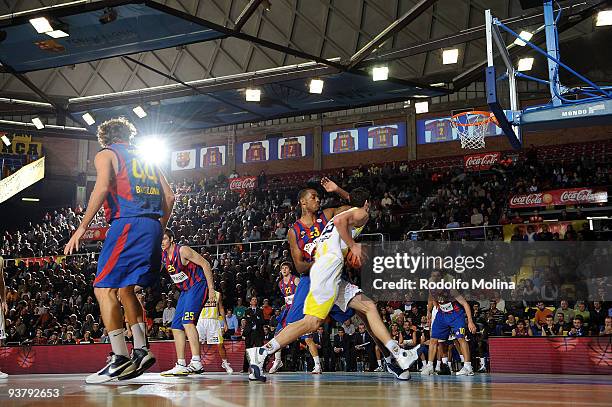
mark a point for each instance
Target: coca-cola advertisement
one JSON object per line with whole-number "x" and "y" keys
{"x": 569, "y": 196}
{"x": 242, "y": 183}
{"x": 481, "y": 161}
{"x": 95, "y": 234}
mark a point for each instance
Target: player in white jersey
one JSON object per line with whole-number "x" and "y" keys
{"x": 327, "y": 288}
{"x": 3, "y": 308}
{"x": 211, "y": 326}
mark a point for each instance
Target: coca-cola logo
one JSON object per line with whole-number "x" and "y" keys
{"x": 482, "y": 160}
{"x": 580, "y": 195}
{"x": 242, "y": 183}
{"x": 529, "y": 199}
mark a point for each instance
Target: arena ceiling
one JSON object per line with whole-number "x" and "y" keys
{"x": 225, "y": 45}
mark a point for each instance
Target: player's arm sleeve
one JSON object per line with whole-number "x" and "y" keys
{"x": 168, "y": 199}
{"x": 104, "y": 175}
{"x": 296, "y": 254}
{"x": 187, "y": 253}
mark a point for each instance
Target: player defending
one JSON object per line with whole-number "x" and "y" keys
{"x": 192, "y": 275}
{"x": 327, "y": 288}
{"x": 288, "y": 286}
{"x": 210, "y": 329}
{"x": 447, "y": 317}
{"x": 135, "y": 195}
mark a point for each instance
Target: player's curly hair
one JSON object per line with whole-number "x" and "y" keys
{"x": 115, "y": 131}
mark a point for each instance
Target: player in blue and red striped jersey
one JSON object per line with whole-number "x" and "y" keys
{"x": 192, "y": 275}
{"x": 138, "y": 203}
{"x": 288, "y": 286}
{"x": 447, "y": 312}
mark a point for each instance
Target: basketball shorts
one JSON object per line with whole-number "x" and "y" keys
{"x": 131, "y": 254}
{"x": 282, "y": 319}
{"x": 189, "y": 305}
{"x": 296, "y": 311}
{"x": 210, "y": 331}
{"x": 446, "y": 323}
{"x": 324, "y": 285}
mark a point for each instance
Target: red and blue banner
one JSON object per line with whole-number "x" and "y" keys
{"x": 438, "y": 130}
{"x": 274, "y": 148}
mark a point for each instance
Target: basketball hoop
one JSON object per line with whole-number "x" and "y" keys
{"x": 472, "y": 128}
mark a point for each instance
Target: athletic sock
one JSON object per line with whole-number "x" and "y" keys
{"x": 118, "y": 344}
{"x": 277, "y": 356}
{"x": 196, "y": 358}
{"x": 272, "y": 346}
{"x": 394, "y": 348}
{"x": 429, "y": 363}
{"x": 467, "y": 364}
{"x": 181, "y": 362}
{"x": 224, "y": 361}
{"x": 445, "y": 361}
{"x": 462, "y": 358}
{"x": 380, "y": 362}
{"x": 140, "y": 339}
{"x": 317, "y": 360}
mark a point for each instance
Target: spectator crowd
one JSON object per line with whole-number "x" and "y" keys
{"x": 51, "y": 301}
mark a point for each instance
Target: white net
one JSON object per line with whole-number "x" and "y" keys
{"x": 472, "y": 128}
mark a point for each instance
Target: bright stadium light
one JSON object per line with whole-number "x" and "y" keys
{"x": 38, "y": 123}
{"x": 380, "y": 73}
{"x": 421, "y": 107}
{"x": 316, "y": 86}
{"x": 139, "y": 111}
{"x": 525, "y": 64}
{"x": 152, "y": 149}
{"x": 6, "y": 140}
{"x": 450, "y": 56}
{"x": 604, "y": 17}
{"x": 253, "y": 95}
{"x": 89, "y": 119}
{"x": 525, "y": 35}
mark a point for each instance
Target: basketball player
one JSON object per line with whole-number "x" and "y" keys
{"x": 301, "y": 242}
{"x": 192, "y": 275}
{"x": 447, "y": 311}
{"x": 210, "y": 329}
{"x": 3, "y": 309}
{"x": 288, "y": 286}
{"x": 138, "y": 203}
{"x": 328, "y": 289}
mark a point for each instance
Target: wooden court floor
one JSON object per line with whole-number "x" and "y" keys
{"x": 327, "y": 390}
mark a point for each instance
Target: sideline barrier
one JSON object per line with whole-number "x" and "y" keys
{"x": 64, "y": 359}
{"x": 552, "y": 355}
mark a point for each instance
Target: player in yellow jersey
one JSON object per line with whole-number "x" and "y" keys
{"x": 211, "y": 326}
{"x": 328, "y": 288}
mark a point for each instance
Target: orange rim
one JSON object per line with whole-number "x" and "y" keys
{"x": 489, "y": 117}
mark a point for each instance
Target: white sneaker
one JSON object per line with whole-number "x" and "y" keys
{"x": 116, "y": 367}
{"x": 256, "y": 357}
{"x": 195, "y": 367}
{"x": 227, "y": 367}
{"x": 177, "y": 370}
{"x": 317, "y": 370}
{"x": 428, "y": 370}
{"x": 379, "y": 369}
{"x": 465, "y": 371}
{"x": 278, "y": 363}
{"x": 397, "y": 371}
{"x": 3, "y": 375}
{"x": 407, "y": 357}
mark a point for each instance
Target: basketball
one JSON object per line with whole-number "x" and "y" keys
{"x": 352, "y": 260}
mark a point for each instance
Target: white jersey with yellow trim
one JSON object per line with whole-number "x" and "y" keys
{"x": 211, "y": 307}
{"x": 330, "y": 241}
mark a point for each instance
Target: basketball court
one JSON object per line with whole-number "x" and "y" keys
{"x": 331, "y": 389}
{"x": 188, "y": 70}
